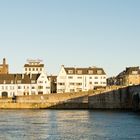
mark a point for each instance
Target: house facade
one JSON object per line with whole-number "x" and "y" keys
{"x": 32, "y": 81}
{"x": 23, "y": 84}
{"x": 130, "y": 76}
{"x": 34, "y": 66}
{"x": 72, "y": 79}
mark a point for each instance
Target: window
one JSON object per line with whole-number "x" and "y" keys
{"x": 33, "y": 81}
{"x": 33, "y": 87}
{"x": 33, "y": 69}
{"x": 36, "y": 69}
{"x": 40, "y": 82}
{"x": 96, "y": 83}
{"x": 79, "y": 77}
{"x": 90, "y": 83}
{"x": 90, "y": 72}
{"x": 96, "y": 77}
{"x": 11, "y": 87}
{"x": 72, "y": 90}
{"x": 18, "y": 81}
{"x": 29, "y": 69}
{"x": 79, "y": 89}
{"x": 134, "y": 72}
{"x": 25, "y": 69}
{"x": 40, "y": 87}
{"x": 79, "y": 71}
{"x": 33, "y": 92}
{"x": 99, "y": 71}
{"x": 70, "y": 71}
{"x": 78, "y": 84}
{"x": 61, "y": 84}
{"x": 70, "y": 77}
{"x": 6, "y": 87}
{"x": 19, "y": 87}
{"x": 71, "y": 84}
{"x": 90, "y": 77}
{"x": 40, "y": 69}
{"x": 11, "y": 93}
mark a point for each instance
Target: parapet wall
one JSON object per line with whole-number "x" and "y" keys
{"x": 61, "y": 100}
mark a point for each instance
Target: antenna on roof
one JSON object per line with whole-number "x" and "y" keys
{"x": 34, "y": 60}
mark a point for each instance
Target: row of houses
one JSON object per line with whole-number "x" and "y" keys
{"x": 34, "y": 80}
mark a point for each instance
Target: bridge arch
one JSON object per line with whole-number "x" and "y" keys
{"x": 136, "y": 101}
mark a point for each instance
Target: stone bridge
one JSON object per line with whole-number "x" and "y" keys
{"x": 119, "y": 98}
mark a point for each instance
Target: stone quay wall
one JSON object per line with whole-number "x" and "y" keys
{"x": 110, "y": 98}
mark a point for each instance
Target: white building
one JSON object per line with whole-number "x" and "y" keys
{"x": 23, "y": 84}
{"x": 80, "y": 79}
{"x": 34, "y": 66}
{"x": 33, "y": 81}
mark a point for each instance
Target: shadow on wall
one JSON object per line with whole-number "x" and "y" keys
{"x": 136, "y": 101}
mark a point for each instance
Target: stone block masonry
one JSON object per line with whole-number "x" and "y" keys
{"x": 126, "y": 98}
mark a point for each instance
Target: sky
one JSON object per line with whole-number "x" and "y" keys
{"x": 80, "y": 33}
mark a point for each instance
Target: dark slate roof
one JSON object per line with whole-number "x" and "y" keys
{"x": 120, "y": 75}
{"x": 129, "y": 70}
{"x": 34, "y": 76}
{"x": 28, "y": 65}
{"x": 85, "y": 71}
{"x": 18, "y": 78}
{"x": 7, "y": 78}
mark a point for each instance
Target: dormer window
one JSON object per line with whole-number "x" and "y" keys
{"x": 18, "y": 81}
{"x": 99, "y": 71}
{"x": 33, "y": 81}
{"x": 134, "y": 72}
{"x": 90, "y": 72}
{"x": 79, "y": 71}
{"x": 70, "y": 71}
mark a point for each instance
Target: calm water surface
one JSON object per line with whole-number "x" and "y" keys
{"x": 68, "y": 125}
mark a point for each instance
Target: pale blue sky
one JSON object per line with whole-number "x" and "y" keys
{"x": 104, "y": 33}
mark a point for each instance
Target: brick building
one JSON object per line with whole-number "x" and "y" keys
{"x": 4, "y": 68}
{"x": 130, "y": 76}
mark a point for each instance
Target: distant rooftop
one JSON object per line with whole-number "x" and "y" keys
{"x": 34, "y": 63}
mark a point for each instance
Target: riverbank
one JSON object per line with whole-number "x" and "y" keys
{"x": 125, "y": 98}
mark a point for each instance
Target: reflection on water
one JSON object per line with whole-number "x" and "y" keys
{"x": 68, "y": 124}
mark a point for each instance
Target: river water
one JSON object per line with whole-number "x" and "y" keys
{"x": 68, "y": 125}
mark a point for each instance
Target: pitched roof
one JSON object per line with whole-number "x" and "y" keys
{"x": 39, "y": 65}
{"x": 129, "y": 70}
{"x": 85, "y": 71}
{"x": 18, "y": 78}
{"x": 7, "y": 78}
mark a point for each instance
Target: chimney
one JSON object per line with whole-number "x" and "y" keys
{"x": 4, "y": 61}
{"x": 22, "y": 76}
{"x": 30, "y": 75}
{"x": 62, "y": 66}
